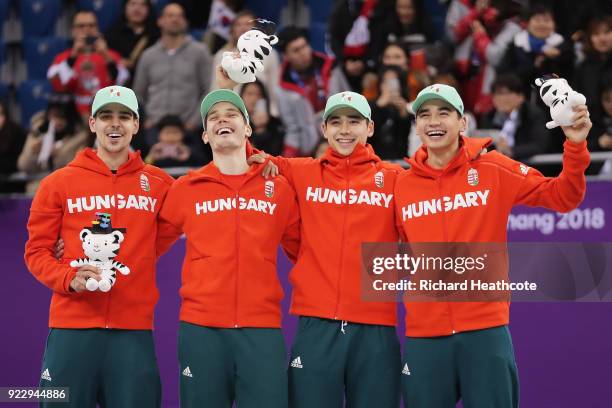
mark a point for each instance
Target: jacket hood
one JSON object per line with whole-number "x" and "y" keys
{"x": 360, "y": 155}
{"x": 88, "y": 159}
{"x": 211, "y": 171}
{"x": 469, "y": 150}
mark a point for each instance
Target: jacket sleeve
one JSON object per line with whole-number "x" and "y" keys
{"x": 44, "y": 227}
{"x": 169, "y": 221}
{"x": 291, "y": 238}
{"x": 562, "y": 193}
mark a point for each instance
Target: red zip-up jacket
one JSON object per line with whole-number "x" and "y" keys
{"x": 344, "y": 201}
{"x": 495, "y": 184}
{"x": 65, "y": 204}
{"x": 229, "y": 276}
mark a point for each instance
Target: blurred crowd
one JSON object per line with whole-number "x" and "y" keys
{"x": 387, "y": 50}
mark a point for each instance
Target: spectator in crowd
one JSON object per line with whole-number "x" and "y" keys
{"x": 134, "y": 32}
{"x": 244, "y": 21}
{"x": 390, "y": 115}
{"x": 538, "y": 50}
{"x": 12, "y": 138}
{"x": 268, "y": 131}
{"x": 88, "y": 66}
{"x": 220, "y": 17}
{"x": 481, "y": 31}
{"x": 349, "y": 26}
{"x": 522, "y": 124}
{"x": 395, "y": 54}
{"x": 597, "y": 64}
{"x": 173, "y": 75}
{"x": 571, "y": 15}
{"x": 601, "y": 135}
{"x": 348, "y": 75}
{"x": 171, "y": 150}
{"x": 304, "y": 88}
{"x": 56, "y": 136}
{"x": 408, "y": 23}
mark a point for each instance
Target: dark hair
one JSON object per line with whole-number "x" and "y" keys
{"x": 64, "y": 104}
{"x": 401, "y": 76}
{"x": 509, "y": 81}
{"x": 170, "y": 120}
{"x": 593, "y": 25}
{"x": 262, "y": 89}
{"x": 150, "y": 22}
{"x": 85, "y": 12}
{"x": 290, "y": 34}
{"x": 538, "y": 9}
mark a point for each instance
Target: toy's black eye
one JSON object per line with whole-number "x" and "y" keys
{"x": 555, "y": 92}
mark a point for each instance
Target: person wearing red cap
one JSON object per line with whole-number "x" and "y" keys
{"x": 462, "y": 350}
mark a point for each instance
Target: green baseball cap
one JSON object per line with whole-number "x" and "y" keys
{"x": 348, "y": 100}
{"x": 115, "y": 94}
{"x": 438, "y": 91}
{"x": 222, "y": 95}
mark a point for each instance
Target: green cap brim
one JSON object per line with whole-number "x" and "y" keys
{"x": 429, "y": 96}
{"x": 329, "y": 112}
{"x": 222, "y": 95}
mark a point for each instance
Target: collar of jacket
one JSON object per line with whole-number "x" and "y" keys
{"x": 88, "y": 159}
{"x": 360, "y": 155}
{"x": 211, "y": 172}
{"x": 469, "y": 150}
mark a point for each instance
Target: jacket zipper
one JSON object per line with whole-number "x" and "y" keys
{"x": 109, "y": 294}
{"x": 346, "y": 205}
{"x": 445, "y": 236}
{"x": 236, "y": 210}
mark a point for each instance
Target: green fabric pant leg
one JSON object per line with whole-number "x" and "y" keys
{"x": 130, "y": 376}
{"x": 206, "y": 367}
{"x": 70, "y": 361}
{"x": 116, "y": 368}
{"x": 487, "y": 369}
{"x": 477, "y": 367}
{"x": 332, "y": 361}
{"x": 429, "y": 373}
{"x": 219, "y": 366}
{"x": 261, "y": 368}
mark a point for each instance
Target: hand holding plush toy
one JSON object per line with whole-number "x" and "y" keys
{"x": 561, "y": 98}
{"x": 253, "y": 47}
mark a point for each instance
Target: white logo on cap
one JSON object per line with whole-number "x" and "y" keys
{"x": 114, "y": 92}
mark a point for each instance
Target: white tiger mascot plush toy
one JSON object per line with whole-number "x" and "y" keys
{"x": 561, "y": 98}
{"x": 101, "y": 245}
{"x": 253, "y": 46}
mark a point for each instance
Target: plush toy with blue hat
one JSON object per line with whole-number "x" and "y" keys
{"x": 101, "y": 243}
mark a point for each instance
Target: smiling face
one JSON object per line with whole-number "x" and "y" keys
{"x": 345, "y": 128}
{"x": 541, "y": 25}
{"x": 114, "y": 126}
{"x": 438, "y": 125}
{"x": 226, "y": 128}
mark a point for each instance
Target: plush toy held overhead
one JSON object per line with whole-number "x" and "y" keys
{"x": 561, "y": 98}
{"x": 254, "y": 46}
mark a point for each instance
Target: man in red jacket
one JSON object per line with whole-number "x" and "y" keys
{"x": 231, "y": 348}
{"x": 451, "y": 193}
{"x": 104, "y": 206}
{"x": 345, "y": 348}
